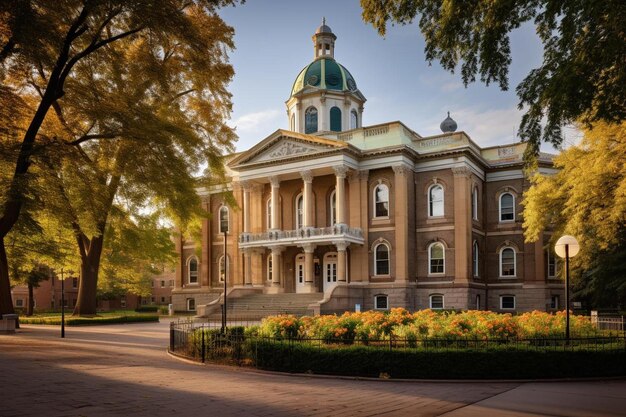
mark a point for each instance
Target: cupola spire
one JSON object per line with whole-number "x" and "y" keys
{"x": 324, "y": 41}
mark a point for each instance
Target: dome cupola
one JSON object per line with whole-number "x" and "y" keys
{"x": 324, "y": 97}
{"x": 448, "y": 125}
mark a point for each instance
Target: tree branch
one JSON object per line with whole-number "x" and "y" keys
{"x": 85, "y": 138}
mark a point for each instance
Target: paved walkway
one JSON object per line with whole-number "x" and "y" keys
{"x": 124, "y": 370}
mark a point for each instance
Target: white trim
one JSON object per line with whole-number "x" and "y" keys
{"x": 385, "y": 244}
{"x": 430, "y": 302}
{"x": 500, "y": 207}
{"x": 376, "y": 307}
{"x": 475, "y": 203}
{"x": 193, "y": 300}
{"x": 514, "y": 262}
{"x": 430, "y": 208}
{"x": 475, "y": 259}
{"x": 508, "y": 308}
{"x": 189, "y": 260}
{"x": 268, "y": 215}
{"x": 299, "y": 217}
{"x": 375, "y": 215}
{"x": 219, "y": 219}
{"x": 430, "y": 247}
{"x": 332, "y": 208}
{"x": 513, "y": 174}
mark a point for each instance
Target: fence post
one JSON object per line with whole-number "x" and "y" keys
{"x": 172, "y": 344}
{"x": 203, "y": 344}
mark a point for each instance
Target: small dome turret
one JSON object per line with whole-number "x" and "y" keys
{"x": 448, "y": 125}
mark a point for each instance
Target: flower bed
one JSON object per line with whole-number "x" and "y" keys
{"x": 424, "y": 324}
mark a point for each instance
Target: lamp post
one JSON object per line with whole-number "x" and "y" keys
{"x": 62, "y": 305}
{"x": 224, "y": 305}
{"x": 567, "y": 247}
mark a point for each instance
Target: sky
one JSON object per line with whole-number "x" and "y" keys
{"x": 273, "y": 43}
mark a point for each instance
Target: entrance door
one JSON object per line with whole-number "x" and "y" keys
{"x": 300, "y": 273}
{"x": 330, "y": 271}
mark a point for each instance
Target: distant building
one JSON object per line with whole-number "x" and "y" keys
{"x": 377, "y": 216}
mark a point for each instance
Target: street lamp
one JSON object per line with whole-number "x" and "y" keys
{"x": 224, "y": 306}
{"x": 567, "y": 247}
{"x": 62, "y": 305}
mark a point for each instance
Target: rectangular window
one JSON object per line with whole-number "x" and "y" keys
{"x": 162, "y": 299}
{"x": 152, "y": 284}
{"x": 507, "y": 302}
{"x": 553, "y": 265}
{"x": 436, "y": 302}
{"x": 19, "y": 302}
{"x": 162, "y": 283}
{"x": 74, "y": 282}
{"x": 554, "y": 302}
{"x": 123, "y": 302}
{"x": 191, "y": 304}
{"x": 171, "y": 282}
{"x": 381, "y": 302}
{"x": 152, "y": 300}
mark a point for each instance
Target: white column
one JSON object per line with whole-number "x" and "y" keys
{"x": 276, "y": 261}
{"x": 307, "y": 177}
{"x": 247, "y": 272}
{"x": 275, "y": 201}
{"x": 340, "y": 194}
{"x": 342, "y": 261}
{"x": 309, "y": 268}
{"x": 246, "y": 207}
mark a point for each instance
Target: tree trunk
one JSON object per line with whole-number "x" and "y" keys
{"x": 88, "y": 288}
{"x": 6, "y": 303}
{"x": 31, "y": 300}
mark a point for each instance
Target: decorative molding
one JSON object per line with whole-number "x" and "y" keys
{"x": 308, "y": 247}
{"x": 462, "y": 172}
{"x": 275, "y": 181}
{"x": 277, "y": 250}
{"x": 307, "y": 176}
{"x": 401, "y": 169}
{"x": 341, "y": 246}
{"x": 429, "y": 143}
{"x": 340, "y": 171}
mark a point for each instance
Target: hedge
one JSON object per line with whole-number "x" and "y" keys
{"x": 147, "y": 309}
{"x": 497, "y": 363}
{"x": 90, "y": 321}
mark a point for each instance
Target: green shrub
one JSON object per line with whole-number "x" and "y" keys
{"x": 147, "y": 309}
{"x": 499, "y": 362}
{"x": 90, "y": 321}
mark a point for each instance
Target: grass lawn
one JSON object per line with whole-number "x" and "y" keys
{"x": 109, "y": 317}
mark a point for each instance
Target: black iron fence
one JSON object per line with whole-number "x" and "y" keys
{"x": 208, "y": 341}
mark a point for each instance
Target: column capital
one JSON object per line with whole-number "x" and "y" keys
{"x": 401, "y": 169}
{"x": 275, "y": 181}
{"x": 341, "y": 246}
{"x": 340, "y": 171}
{"x": 247, "y": 185}
{"x": 307, "y": 175}
{"x": 308, "y": 247}
{"x": 277, "y": 250}
{"x": 462, "y": 171}
{"x": 237, "y": 185}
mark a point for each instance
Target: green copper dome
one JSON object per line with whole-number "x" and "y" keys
{"x": 325, "y": 74}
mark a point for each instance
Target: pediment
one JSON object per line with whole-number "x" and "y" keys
{"x": 285, "y": 145}
{"x": 286, "y": 148}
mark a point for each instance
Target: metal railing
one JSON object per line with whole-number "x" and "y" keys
{"x": 207, "y": 341}
{"x": 275, "y": 236}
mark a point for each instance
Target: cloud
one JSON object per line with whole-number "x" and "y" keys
{"x": 253, "y": 127}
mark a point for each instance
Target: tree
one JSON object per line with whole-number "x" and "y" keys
{"x": 583, "y": 74}
{"x": 48, "y": 50}
{"x": 587, "y": 199}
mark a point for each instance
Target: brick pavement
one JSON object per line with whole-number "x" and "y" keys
{"x": 124, "y": 370}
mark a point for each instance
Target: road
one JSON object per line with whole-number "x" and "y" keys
{"x": 122, "y": 370}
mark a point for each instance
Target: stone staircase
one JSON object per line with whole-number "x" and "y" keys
{"x": 257, "y": 306}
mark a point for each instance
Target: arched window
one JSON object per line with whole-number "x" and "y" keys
{"x": 310, "y": 120}
{"x": 475, "y": 258}
{"x": 507, "y": 207}
{"x": 381, "y": 302}
{"x": 436, "y": 302}
{"x": 436, "y": 258}
{"x": 269, "y": 268}
{"x": 293, "y": 123}
{"x": 335, "y": 119}
{"x": 381, "y": 259}
{"x": 268, "y": 207}
{"x": 223, "y": 219}
{"x": 299, "y": 217}
{"x": 477, "y": 301}
{"x": 435, "y": 201}
{"x": 222, "y": 267}
{"x": 475, "y": 203}
{"x": 192, "y": 270}
{"x": 507, "y": 262}
{"x": 381, "y": 201}
{"x": 354, "y": 119}
{"x": 332, "y": 204}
